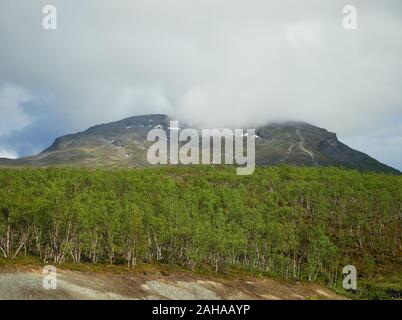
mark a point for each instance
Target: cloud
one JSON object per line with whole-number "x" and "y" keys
{"x": 8, "y": 154}
{"x": 215, "y": 62}
{"x": 13, "y": 116}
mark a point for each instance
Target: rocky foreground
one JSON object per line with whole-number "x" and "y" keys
{"x": 28, "y": 284}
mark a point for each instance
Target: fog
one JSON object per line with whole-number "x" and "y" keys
{"x": 211, "y": 62}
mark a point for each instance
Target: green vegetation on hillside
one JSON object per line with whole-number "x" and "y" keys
{"x": 300, "y": 223}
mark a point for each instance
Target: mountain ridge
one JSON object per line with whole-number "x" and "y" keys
{"x": 123, "y": 143}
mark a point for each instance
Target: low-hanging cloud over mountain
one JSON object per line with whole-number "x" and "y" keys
{"x": 214, "y": 62}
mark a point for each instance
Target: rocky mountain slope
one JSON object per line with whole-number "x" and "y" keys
{"x": 123, "y": 144}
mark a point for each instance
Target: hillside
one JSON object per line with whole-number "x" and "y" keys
{"x": 123, "y": 144}
{"x": 292, "y": 223}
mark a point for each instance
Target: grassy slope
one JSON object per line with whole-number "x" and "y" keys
{"x": 372, "y": 198}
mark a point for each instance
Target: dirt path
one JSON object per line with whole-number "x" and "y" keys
{"x": 83, "y": 285}
{"x": 302, "y": 147}
{"x": 292, "y": 146}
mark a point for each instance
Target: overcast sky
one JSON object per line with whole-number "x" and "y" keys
{"x": 216, "y": 62}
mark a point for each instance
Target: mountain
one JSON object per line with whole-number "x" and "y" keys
{"x": 123, "y": 144}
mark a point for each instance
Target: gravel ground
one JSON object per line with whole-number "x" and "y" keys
{"x": 81, "y": 285}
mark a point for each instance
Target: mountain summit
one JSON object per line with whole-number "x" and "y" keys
{"x": 123, "y": 144}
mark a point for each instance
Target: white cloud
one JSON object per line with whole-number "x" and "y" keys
{"x": 13, "y": 116}
{"x": 215, "y": 62}
{"x": 8, "y": 154}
